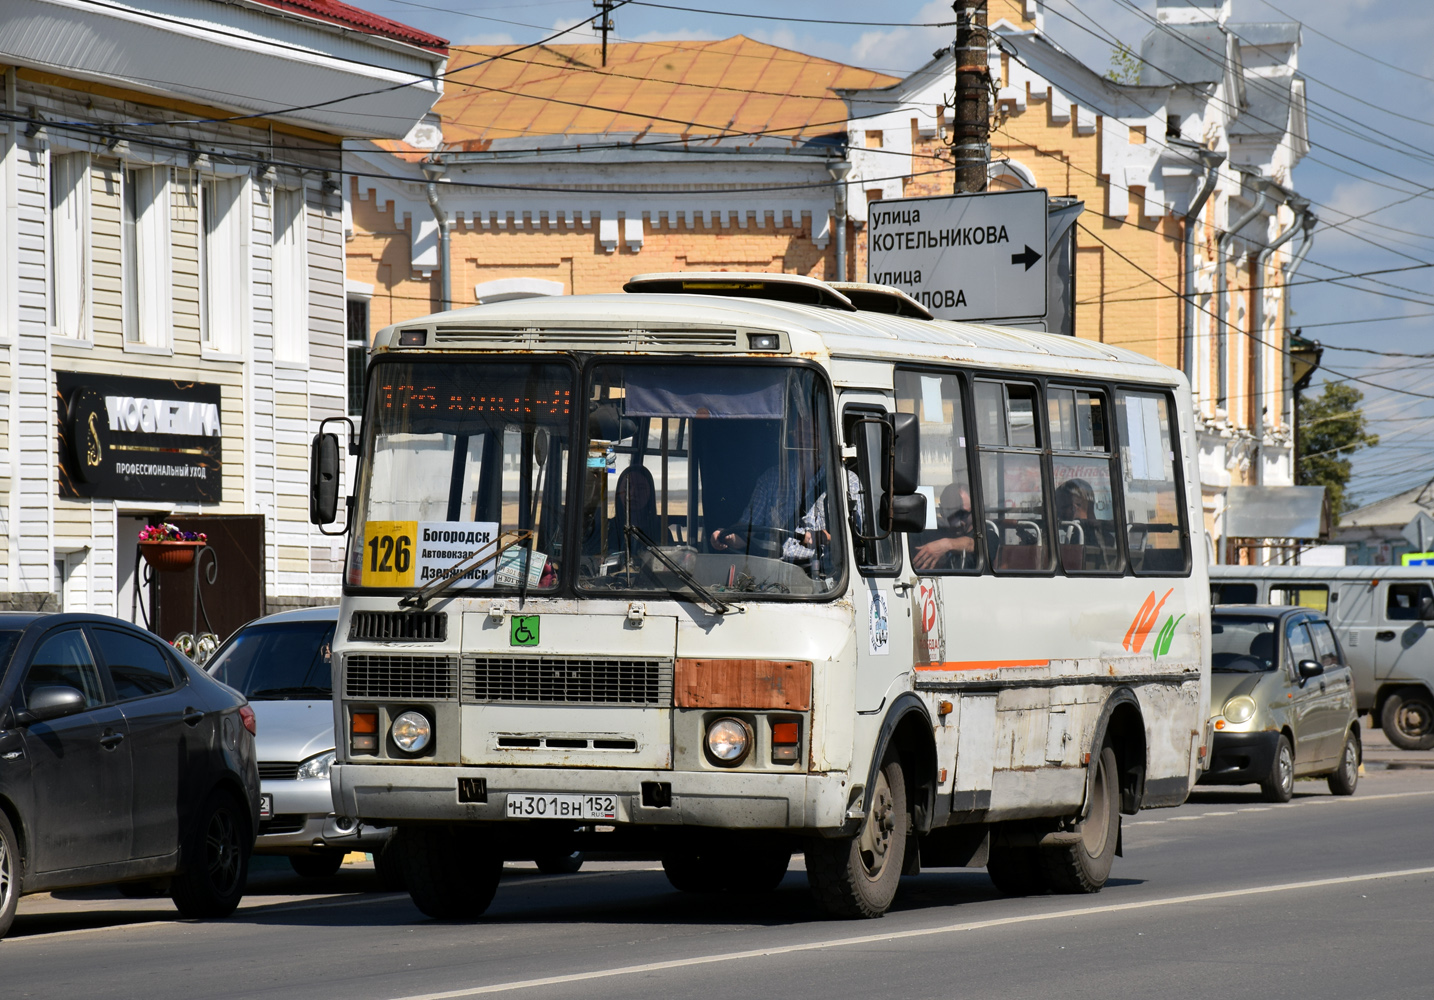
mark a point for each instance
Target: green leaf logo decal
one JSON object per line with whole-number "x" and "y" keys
{"x": 1166, "y": 636}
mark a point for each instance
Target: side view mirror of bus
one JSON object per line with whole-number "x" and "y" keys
{"x": 324, "y": 479}
{"x": 906, "y": 455}
{"x": 904, "y": 513}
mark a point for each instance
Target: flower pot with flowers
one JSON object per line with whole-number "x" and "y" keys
{"x": 168, "y": 548}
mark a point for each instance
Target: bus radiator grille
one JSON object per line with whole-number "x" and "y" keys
{"x": 380, "y": 675}
{"x": 398, "y": 626}
{"x": 567, "y": 680}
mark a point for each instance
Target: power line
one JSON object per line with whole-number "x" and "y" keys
{"x": 799, "y": 20}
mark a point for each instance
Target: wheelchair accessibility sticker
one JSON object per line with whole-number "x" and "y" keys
{"x": 524, "y": 630}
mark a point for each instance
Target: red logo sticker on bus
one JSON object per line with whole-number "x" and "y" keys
{"x": 1144, "y": 621}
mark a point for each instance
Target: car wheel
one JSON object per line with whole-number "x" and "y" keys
{"x": 1085, "y": 866}
{"x": 1016, "y": 871}
{"x": 320, "y": 864}
{"x": 1408, "y": 719}
{"x": 1345, "y": 778}
{"x": 9, "y": 874}
{"x": 1279, "y": 785}
{"x": 451, "y": 872}
{"x": 858, "y": 876}
{"x": 560, "y": 864}
{"x": 216, "y": 861}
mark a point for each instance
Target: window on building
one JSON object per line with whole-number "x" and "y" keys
{"x": 356, "y": 352}
{"x": 221, "y": 271}
{"x": 290, "y": 276}
{"x": 145, "y": 255}
{"x": 69, "y": 244}
{"x": 874, "y": 139}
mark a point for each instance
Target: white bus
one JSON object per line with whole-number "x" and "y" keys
{"x": 736, "y": 566}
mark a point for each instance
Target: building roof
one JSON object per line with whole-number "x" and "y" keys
{"x": 685, "y": 88}
{"x": 1395, "y": 511}
{"x": 333, "y": 12}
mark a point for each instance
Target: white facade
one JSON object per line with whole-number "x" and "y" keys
{"x": 149, "y": 228}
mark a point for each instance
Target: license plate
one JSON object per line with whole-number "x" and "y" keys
{"x": 266, "y": 807}
{"x": 534, "y": 805}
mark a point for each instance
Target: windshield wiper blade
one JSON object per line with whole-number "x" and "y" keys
{"x": 718, "y": 606}
{"x": 439, "y": 585}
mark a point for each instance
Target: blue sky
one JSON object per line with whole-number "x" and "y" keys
{"x": 1370, "y": 175}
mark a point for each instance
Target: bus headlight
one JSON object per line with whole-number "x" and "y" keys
{"x": 1240, "y": 708}
{"x": 411, "y": 731}
{"x": 729, "y": 741}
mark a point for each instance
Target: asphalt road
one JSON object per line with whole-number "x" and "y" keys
{"x": 1224, "y": 897}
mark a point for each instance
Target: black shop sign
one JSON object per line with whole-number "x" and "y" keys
{"x": 138, "y": 438}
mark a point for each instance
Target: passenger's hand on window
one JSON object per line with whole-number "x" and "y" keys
{"x": 931, "y": 555}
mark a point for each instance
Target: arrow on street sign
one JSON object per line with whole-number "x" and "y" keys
{"x": 1028, "y": 258}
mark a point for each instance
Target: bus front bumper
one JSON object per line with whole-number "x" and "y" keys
{"x": 734, "y": 800}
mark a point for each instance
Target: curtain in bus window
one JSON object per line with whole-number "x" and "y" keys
{"x": 948, "y": 543}
{"x": 712, "y": 393}
{"x": 1152, "y": 509}
{"x": 1085, "y": 507}
{"x": 1013, "y": 486}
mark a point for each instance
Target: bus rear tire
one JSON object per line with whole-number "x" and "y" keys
{"x": 451, "y": 873}
{"x": 1084, "y": 867}
{"x": 858, "y": 876}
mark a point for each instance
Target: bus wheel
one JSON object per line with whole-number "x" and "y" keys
{"x": 759, "y": 870}
{"x": 1085, "y": 865}
{"x": 858, "y": 876}
{"x": 695, "y": 871}
{"x": 1408, "y": 719}
{"x": 1016, "y": 871}
{"x": 451, "y": 874}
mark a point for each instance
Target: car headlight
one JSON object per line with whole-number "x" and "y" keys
{"x": 411, "y": 731}
{"x": 316, "y": 767}
{"x": 1240, "y": 708}
{"x": 729, "y": 741}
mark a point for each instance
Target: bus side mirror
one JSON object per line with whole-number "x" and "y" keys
{"x": 905, "y": 455}
{"x": 904, "y": 513}
{"x": 324, "y": 479}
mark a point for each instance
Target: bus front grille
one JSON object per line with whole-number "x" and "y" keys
{"x": 398, "y": 626}
{"x": 567, "y": 680}
{"x": 381, "y": 675}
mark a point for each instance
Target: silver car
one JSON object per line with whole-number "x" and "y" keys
{"x": 282, "y": 664}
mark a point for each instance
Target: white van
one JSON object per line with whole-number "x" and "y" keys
{"x": 1381, "y": 614}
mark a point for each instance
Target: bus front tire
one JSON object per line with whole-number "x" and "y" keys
{"x": 451, "y": 873}
{"x": 759, "y": 870}
{"x": 858, "y": 876}
{"x": 1084, "y": 866}
{"x": 1408, "y": 719}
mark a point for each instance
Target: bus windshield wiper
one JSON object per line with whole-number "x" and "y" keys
{"x": 719, "y": 606}
{"x": 439, "y": 585}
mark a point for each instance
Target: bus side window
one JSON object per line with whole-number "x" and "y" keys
{"x": 950, "y": 543}
{"x": 1080, "y": 458}
{"x": 1234, "y": 593}
{"x": 1405, "y": 600}
{"x": 874, "y": 556}
{"x": 1155, "y": 527}
{"x": 1013, "y": 480}
{"x": 1304, "y": 595}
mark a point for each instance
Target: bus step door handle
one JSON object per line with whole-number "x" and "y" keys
{"x": 1384, "y": 636}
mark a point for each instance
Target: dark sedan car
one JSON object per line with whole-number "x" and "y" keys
{"x": 120, "y": 761}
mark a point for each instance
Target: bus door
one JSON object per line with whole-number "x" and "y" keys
{"x": 885, "y": 586}
{"x": 1403, "y": 648}
{"x": 1355, "y": 611}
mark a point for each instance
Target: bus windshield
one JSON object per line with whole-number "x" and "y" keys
{"x": 466, "y": 464}
{"x": 721, "y": 470}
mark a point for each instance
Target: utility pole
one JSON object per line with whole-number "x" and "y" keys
{"x": 971, "y": 132}
{"x": 604, "y": 23}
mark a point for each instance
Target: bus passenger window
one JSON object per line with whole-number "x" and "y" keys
{"x": 1013, "y": 484}
{"x": 1314, "y": 596}
{"x": 1085, "y": 507}
{"x": 1234, "y": 593}
{"x": 948, "y": 544}
{"x": 1154, "y": 522}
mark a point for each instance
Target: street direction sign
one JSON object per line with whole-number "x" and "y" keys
{"x": 973, "y": 257}
{"x": 1419, "y": 531}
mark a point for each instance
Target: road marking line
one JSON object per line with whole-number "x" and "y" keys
{"x": 1088, "y": 911}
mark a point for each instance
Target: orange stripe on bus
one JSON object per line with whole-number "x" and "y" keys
{"x": 982, "y": 664}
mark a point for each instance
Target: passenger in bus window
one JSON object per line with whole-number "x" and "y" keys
{"x": 782, "y": 502}
{"x": 634, "y": 503}
{"x": 955, "y": 548}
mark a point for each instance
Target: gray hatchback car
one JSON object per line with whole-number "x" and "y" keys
{"x": 283, "y": 665}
